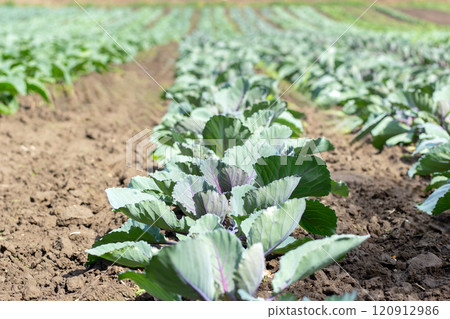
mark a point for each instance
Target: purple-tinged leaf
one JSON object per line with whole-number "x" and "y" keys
{"x": 211, "y": 202}
{"x": 185, "y": 189}
{"x": 232, "y": 176}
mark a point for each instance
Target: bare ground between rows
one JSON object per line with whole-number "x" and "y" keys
{"x": 56, "y": 163}
{"x": 436, "y": 16}
{"x": 407, "y": 255}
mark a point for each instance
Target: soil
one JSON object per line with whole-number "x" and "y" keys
{"x": 435, "y": 16}
{"x": 57, "y": 161}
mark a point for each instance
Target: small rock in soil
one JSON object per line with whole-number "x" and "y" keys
{"x": 31, "y": 291}
{"x": 8, "y": 247}
{"x": 75, "y": 214}
{"x": 320, "y": 276}
{"x": 74, "y": 283}
{"x": 424, "y": 261}
{"x": 432, "y": 282}
{"x": 67, "y": 247}
{"x": 40, "y": 197}
{"x": 387, "y": 260}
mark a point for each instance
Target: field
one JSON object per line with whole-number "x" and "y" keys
{"x": 270, "y": 151}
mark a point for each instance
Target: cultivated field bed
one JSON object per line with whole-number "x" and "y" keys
{"x": 225, "y": 64}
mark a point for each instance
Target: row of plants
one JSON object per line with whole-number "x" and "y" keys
{"x": 393, "y": 86}
{"x": 239, "y": 186}
{"x": 379, "y": 17}
{"x": 56, "y": 45}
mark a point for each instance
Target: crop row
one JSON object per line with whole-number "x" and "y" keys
{"x": 235, "y": 188}
{"x": 57, "y": 44}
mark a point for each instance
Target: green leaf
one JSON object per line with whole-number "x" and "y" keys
{"x": 250, "y": 271}
{"x": 198, "y": 268}
{"x": 411, "y": 100}
{"x": 166, "y": 181}
{"x": 9, "y": 107}
{"x": 247, "y": 297}
{"x": 186, "y": 126}
{"x": 287, "y": 297}
{"x": 237, "y": 199}
{"x": 437, "y": 202}
{"x": 437, "y": 160}
{"x": 205, "y": 224}
{"x": 276, "y": 106}
{"x": 315, "y": 177}
{"x": 275, "y": 224}
{"x": 232, "y": 98}
{"x": 184, "y": 269}
{"x": 231, "y": 177}
{"x": 258, "y": 120}
{"x": 345, "y": 297}
{"x": 13, "y": 84}
{"x": 435, "y": 131}
{"x": 403, "y": 138}
{"x": 225, "y": 257}
{"x": 305, "y": 146}
{"x": 142, "y": 183}
{"x": 130, "y": 254}
{"x": 222, "y": 176}
{"x": 339, "y": 188}
{"x": 437, "y": 181}
{"x": 39, "y": 88}
{"x": 211, "y": 169}
{"x": 272, "y": 194}
{"x": 245, "y": 222}
{"x": 312, "y": 256}
{"x": 132, "y": 230}
{"x": 385, "y": 130}
{"x": 120, "y": 197}
{"x": 186, "y": 188}
{"x": 245, "y": 156}
{"x": 318, "y": 219}
{"x": 60, "y": 71}
{"x": 290, "y": 121}
{"x": 222, "y": 132}
{"x": 276, "y": 132}
{"x": 156, "y": 213}
{"x": 289, "y": 244}
{"x": 188, "y": 166}
{"x": 150, "y": 287}
{"x": 369, "y": 126}
{"x": 211, "y": 202}
{"x": 298, "y": 115}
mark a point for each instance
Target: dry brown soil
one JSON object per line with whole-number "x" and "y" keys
{"x": 56, "y": 163}
{"x": 435, "y": 16}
